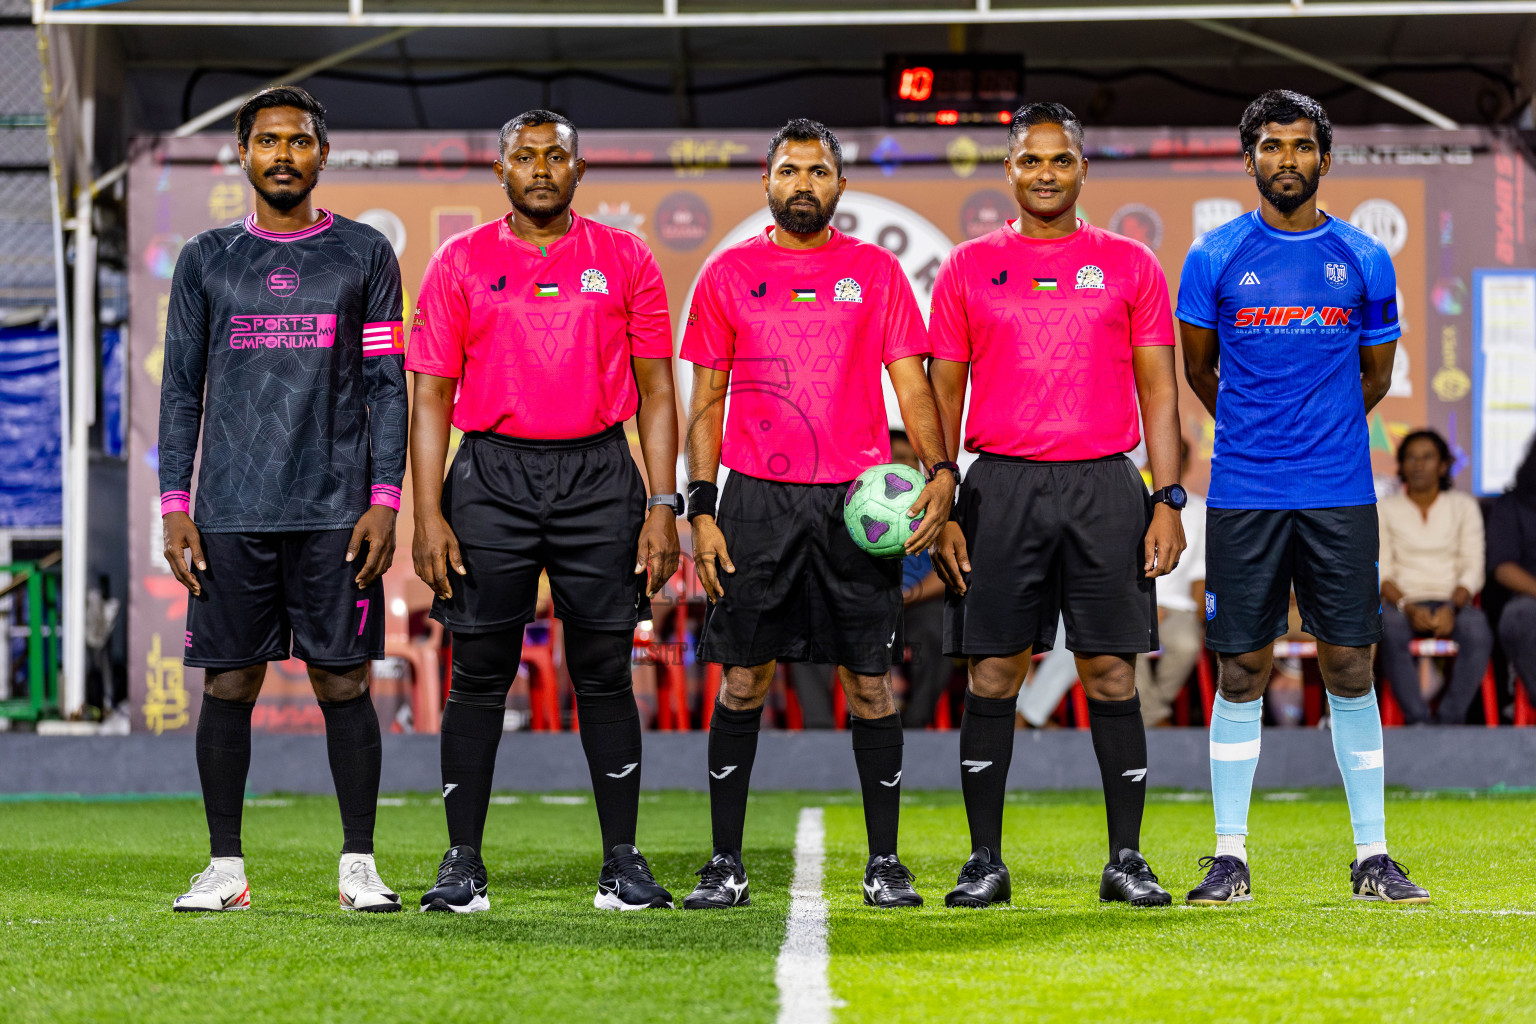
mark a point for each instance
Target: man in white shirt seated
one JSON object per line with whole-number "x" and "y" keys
{"x": 1431, "y": 560}
{"x": 1180, "y": 611}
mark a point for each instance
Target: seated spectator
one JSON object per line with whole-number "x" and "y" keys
{"x": 1180, "y": 616}
{"x": 1512, "y": 561}
{"x": 1431, "y": 568}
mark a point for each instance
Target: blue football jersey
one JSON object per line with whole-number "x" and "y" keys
{"x": 1291, "y": 311}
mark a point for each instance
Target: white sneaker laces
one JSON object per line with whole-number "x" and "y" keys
{"x": 211, "y": 880}
{"x": 363, "y": 878}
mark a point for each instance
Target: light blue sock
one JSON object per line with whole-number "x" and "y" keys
{"x": 1357, "y": 746}
{"x": 1235, "y": 730}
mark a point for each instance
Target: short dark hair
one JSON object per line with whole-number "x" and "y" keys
{"x": 1031, "y": 114}
{"x": 803, "y": 129}
{"x": 1434, "y": 438}
{"x": 279, "y": 96}
{"x": 529, "y": 118}
{"x": 1282, "y": 106}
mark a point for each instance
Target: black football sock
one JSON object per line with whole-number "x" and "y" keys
{"x": 1120, "y": 741}
{"x": 356, "y": 754}
{"x": 732, "y": 749}
{"x": 223, "y": 760}
{"x": 471, "y": 734}
{"x": 986, "y": 751}
{"x": 877, "y": 746}
{"x": 610, "y": 737}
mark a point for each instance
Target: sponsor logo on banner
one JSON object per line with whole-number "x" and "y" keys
{"x": 1211, "y": 214}
{"x": 386, "y": 223}
{"x": 619, "y": 215}
{"x": 1138, "y": 221}
{"x": 1383, "y": 221}
{"x": 160, "y": 255}
{"x": 984, "y": 212}
{"x": 682, "y": 221}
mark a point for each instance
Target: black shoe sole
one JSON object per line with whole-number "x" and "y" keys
{"x": 1143, "y": 901}
{"x": 388, "y": 908}
{"x": 972, "y": 902}
{"x": 687, "y": 905}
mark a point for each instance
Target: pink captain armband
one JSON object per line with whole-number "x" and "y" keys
{"x": 175, "y": 501}
{"x": 383, "y": 494}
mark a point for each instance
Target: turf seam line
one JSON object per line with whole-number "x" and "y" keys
{"x": 805, "y": 994}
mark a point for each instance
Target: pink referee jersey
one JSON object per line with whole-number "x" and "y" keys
{"x": 806, "y": 334}
{"x": 1048, "y": 327}
{"x": 540, "y": 339}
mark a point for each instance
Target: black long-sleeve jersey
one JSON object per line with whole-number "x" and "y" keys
{"x": 287, "y": 351}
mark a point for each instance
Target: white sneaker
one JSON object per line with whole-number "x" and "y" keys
{"x": 361, "y": 888}
{"x": 221, "y": 886}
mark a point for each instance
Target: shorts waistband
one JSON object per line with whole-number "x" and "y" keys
{"x": 548, "y": 444}
{"x": 1019, "y": 460}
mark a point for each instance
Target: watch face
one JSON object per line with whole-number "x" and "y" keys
{"x": 1177, "y": 496}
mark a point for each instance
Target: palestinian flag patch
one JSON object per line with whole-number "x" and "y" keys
{"x": 804, "y": 294}
{"x": 552, "y": 291}
{"x": 1044, "y": 284}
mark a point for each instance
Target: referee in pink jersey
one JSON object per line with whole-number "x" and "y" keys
{"x": 538, "y": 335}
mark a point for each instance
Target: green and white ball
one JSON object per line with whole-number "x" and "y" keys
{"x": 875, "y": 509}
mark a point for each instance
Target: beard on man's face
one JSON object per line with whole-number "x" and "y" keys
{"x": 801, "y": 220}
{"x": 542, "y": 212}
{"x": 288, "y": 197}
{"x": 1287, "y": 202}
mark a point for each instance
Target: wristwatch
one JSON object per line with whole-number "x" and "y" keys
{"x": 673, "y": 501}
{"x": 1175, "y": 496}
{"x": 953, "y": 467}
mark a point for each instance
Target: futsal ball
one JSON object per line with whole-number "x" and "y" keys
{"x": 875, "y": 509}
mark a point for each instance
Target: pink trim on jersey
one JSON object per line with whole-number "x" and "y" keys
{"x": 175, "y": 501}
{"x": 805, "y": 334}
{"x": 540, "y": 338}
{"x": 383, "y": 494}
{"x": 325, "y": 221}
{"x": 384, "y": 338}
{"x": 1049, "y": 327}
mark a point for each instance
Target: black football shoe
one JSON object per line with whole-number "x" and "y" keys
{"x": 626, "y": 883}
{"x": 461, "y": 884}
{"x": 1130, "y": 880}
{"x": 1226, "y": 881}
{"x": 1384, "y": 879}
{"x": 983, "y": 882}
{"x": 722, "y": 883}
{"x": 887, "y": 883}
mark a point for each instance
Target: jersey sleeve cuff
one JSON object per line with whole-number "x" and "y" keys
{"x": 384, "y": 338}
{"x": 1367, "y": 341}
{"x": 908, "y": 350}
{"x": 175, "y": 501}
{"x": 388, "y": 496}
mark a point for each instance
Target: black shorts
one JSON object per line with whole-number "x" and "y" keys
{"x": 802, "y": 590}
{"x": 263, "y": 591}
{"x": 1253, "y": 557}
{"x": 1048, "y": 539}
{"x": 573, "y": 508}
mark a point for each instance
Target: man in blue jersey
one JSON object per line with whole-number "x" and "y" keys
{"x": 1300, "y": 312}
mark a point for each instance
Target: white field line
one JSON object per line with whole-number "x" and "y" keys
{"x": 805, "y": 995}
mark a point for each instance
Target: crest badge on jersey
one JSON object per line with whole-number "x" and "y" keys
{"x": 1337, "y": 274}
{"x": 594, "y": 281}
{"x": 847, "y": 290}
{"x": 1210, "y": 606}
{"x": 1090, "y": 277}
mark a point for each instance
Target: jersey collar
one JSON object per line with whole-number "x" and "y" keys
{"x": 1079, "y": 232}
{"x": 832, "y": 242}
{"x": 1293, "y": 236}
{"x": 318, "y": 227}
{"x": 578, "y": 225}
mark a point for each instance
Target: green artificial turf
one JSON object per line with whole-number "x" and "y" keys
{"x": 1302, "y": 951}
{"x": 86, "y": 930}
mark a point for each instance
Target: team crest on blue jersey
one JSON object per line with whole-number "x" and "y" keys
{"x": 1090, "y": 277}
{"x": 1210, "y": 606}
{"x": 1337, "y": 274}
{"x": 594, "y": 281}
{"x": 847, "y": 290}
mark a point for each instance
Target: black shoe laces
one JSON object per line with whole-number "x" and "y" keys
{"x": 456, "y": 871}
{"x": 633, "y": 867}
{"x": 1223, "y": 863}
{"x": 1391, "y": 866}
{"x": 715, "y": 872}
{"x": 893, "y": 873}
{"x": 1139, "y": 870}
{"x": 975, "y": 871}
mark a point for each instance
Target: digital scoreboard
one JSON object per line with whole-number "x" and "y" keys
{"x": 953, "y": 88}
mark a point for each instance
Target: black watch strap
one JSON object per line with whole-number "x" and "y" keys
{"x": 672, "y": 501}
{"x": 953, "y": 467}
